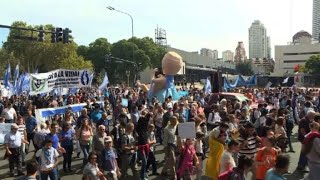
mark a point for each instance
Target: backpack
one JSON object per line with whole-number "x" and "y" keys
{"x": 230, "y": 174}
{"x": 121, "y": 143}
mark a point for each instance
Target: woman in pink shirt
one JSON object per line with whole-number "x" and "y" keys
{"x": 187, "y": 157}
{"x": 84, "y": 134}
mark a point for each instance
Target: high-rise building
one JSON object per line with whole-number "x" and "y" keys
{"x": 287, "y": 57}
{"x": 257, "y": 40}
{"x": 268, "y": 48}
{"x": 240, "y": 53}
{"x": 227, "y": 55}
{"x": 316, "y": 20}
{"x": 213, "y": 54}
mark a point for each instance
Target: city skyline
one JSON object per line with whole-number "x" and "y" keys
{"x": 187, "y": 24}
{"x": 258, "y": 41}
{"x": 316, "y": 19}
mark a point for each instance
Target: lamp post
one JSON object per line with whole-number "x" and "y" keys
{"x": 128, "y": 76}
{"x": 122, "y": 12}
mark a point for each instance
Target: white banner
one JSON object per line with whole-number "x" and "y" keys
{"x": 44, "y": 114}
{"x": 60, "y": 78}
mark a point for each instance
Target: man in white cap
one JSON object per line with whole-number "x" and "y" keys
{"x": 109, "y": 160}
{"x": 166, "y": 116}
{"x": 12, "y": 142}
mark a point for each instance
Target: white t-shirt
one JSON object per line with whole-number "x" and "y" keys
{"x": 226, "y": 159}
{"x": 279, "y": 130}
{"x": 213, "y": 118}
{"x": 8, "y": 113}
{"x": 257, "y": 114}
{"x": 47, "y": 157}
{"x": 91, "y": 171}
{"x": 199, "y": 145}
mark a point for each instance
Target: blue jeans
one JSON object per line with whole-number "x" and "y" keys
{"x": 152, "y": 161}
{"x": 303, "y": 161}
{"x": 67, "y": 157}
{"x": 85, "y": 150}
{"x": 53, "y": 174}
{"x": 143, "y": 158}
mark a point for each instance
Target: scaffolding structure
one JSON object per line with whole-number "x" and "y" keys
{"x": 160, "y": 37}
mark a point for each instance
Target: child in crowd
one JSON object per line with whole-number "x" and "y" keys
{"x": 265, "y": 158}
{"x": 151, "y": 157}
{"x": 187, "y": 158}
{"x": 199, "y": 152}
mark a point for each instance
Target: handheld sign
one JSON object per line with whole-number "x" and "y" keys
{"x": 124, "y": 102}
{"x": 187, "y": 130}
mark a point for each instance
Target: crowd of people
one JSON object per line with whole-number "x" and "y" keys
{"x": 238, "y": 140}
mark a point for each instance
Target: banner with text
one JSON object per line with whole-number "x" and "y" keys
{"x": 60, "y": 78}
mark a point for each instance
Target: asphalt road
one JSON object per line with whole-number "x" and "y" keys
{"x": 77, "y": 174}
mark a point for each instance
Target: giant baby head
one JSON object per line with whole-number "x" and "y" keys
{"x": 171, "y": 63}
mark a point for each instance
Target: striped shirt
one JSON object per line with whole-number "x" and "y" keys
{"x": 21, "y": 129}
{"x": 250, "y": 149}
{"x": 242, "y": 122}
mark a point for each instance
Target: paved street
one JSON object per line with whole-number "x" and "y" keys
{"x": 76, "y": 164}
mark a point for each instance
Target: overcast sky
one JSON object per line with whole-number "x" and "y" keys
{"x": 190, "y": 25}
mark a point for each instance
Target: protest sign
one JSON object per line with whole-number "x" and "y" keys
{"x": 268, "y": 85}
{"x": 60, "y": 78}
{"x": 187, "y": 130}
{"x": 124, "y": 102}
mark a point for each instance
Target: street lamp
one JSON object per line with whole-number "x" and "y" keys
{"x": 128, "y": 76}
{"x": 122, "y": 12}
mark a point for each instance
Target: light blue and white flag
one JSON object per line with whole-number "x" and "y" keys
{"x": 24, "y": 83}
{"x": 7, "y": 76}
{"x": 16, "y": 77}
{"x": 73, "y": 91}
{"x": 91, "y": 78}
{"x": 285, "y": 80}
{"x": 104, "y": 83}
{"x": 207, "y": 87}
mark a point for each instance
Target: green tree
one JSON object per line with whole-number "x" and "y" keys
{"x": 244, "y": 68}
{"x": 67, "y": 57}
{"x": 151, "y": 49}
{"x": 124, "y": 49}
{"x": 83, "y": 50}
{"x": 43, "y": 55}
{"x": 312, "y": 65}
{"x": 302, "y": 69}
{"x": 96, "y": 53}
{"x": 5, "y": 58}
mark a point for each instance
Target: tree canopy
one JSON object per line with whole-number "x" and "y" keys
{"x": 244, "y": 68}
{"x": 141, "y": 51}
{"x": 46, "y": 56}
{"x": 312, "y": 65}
